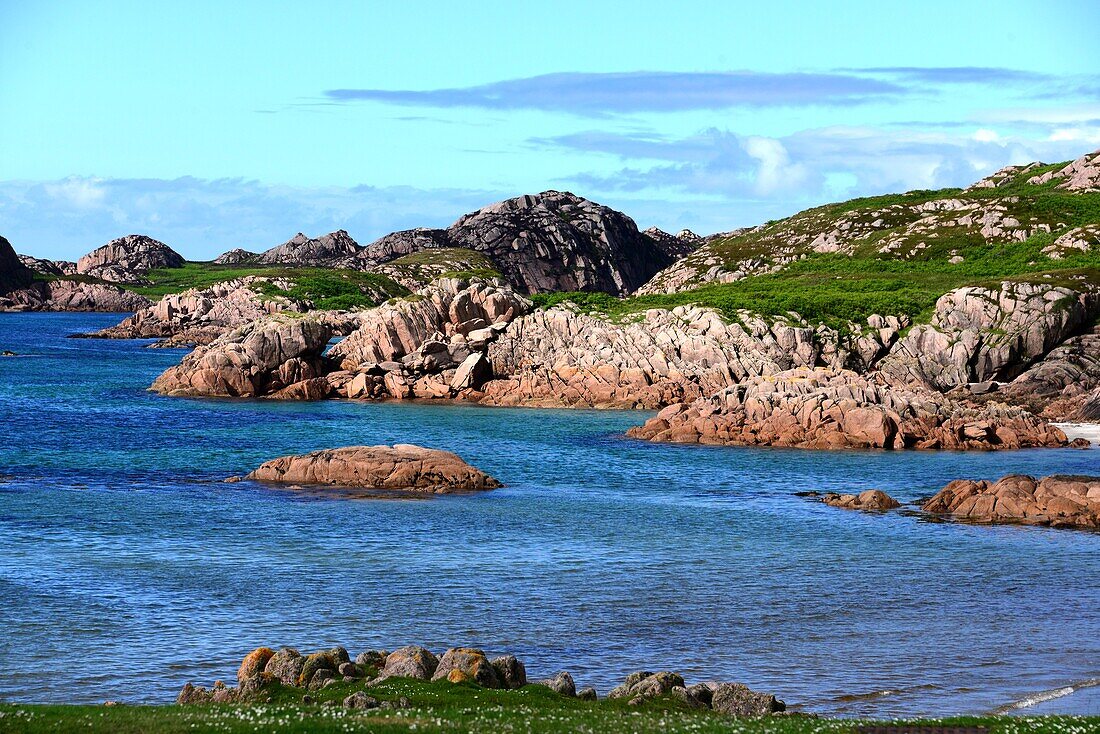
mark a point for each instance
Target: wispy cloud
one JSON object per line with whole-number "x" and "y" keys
{"x": 954, "y": 74}
{"x": 811, "y": 166}
{"x": 641, "y": 91}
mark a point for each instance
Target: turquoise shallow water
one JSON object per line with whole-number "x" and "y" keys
{"x": 128, "y": 568}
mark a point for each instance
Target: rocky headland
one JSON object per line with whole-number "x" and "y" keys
{"x": 1057, "y": 501}
{"x": 401, "y": 467}
{"x": 265, "y": 670}
{"x": 127, "y": 259}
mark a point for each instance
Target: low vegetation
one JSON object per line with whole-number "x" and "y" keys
{"x": 326, "y": 288}
{"x": 446, "y": 707}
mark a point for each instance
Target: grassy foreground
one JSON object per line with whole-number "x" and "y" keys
{"x": 445, "y": 707}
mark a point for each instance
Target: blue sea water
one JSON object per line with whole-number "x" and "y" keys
{"x": 128, "y": 568}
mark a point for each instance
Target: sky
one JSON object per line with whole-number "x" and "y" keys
{"x": 213, "y": 125}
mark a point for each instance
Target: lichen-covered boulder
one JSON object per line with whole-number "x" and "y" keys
{"x": 410, "y": 662}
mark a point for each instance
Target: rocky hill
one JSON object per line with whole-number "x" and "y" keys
{"x": 127, "y": 259}
{"x": 1052, "y": 205}
{"x": 326, "y": 250}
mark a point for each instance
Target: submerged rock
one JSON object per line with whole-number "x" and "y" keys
{"x": 398, "y": 467}
{"x": 871, "y": 499}
{"x": 1057, "y": 500}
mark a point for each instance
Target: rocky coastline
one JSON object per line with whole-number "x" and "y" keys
{"x": 265, "y": 671}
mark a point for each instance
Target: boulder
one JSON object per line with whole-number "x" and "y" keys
{"x": 286, "y": 666}
{"x": 835, "y": 409}
{"x": 398, "y": 467}
{"x": 735, "y": 699}
{"x": 562, "y": 683}
{"x": 1056, "y": 500}
{"x": 360, "y": 700}
{"x": 410, "y": 662}
{"x": 127, "y": 259}
{"x": 467, "y": 664}
{"x": 871, "y": 499}
{"x": 371, "y": 659}
{"x": 644, "y": 684}
{"x": 254, "y": 663}
{"x": 510, "y": 671}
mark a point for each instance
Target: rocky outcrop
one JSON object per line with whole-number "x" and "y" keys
{"x": 556, "y": 241}
{"x": 1081, "y": 175}
{"x": 871, "y": 499}
{"x": 301, "y": 250}
{"x": 429, "y": 345}
{"x": 400, "y": 467}
{"x": 236, "y": 257}
{"x": 72, "y": 295}
{"x": 832, "y": 409}
{"x": 127, "y": 259}
{"x": 1058, "y": 501}
{"x": 1059, "y": 385}
{"x": 979, "y": 334}
{"x": 675, "y": 246}
{"x": 14, "y": 275}
{"x": 559, "y": 357}
{"x": 55, "y": 268}
{"x": 419, "y": 270}
{"x": 260, "y": 358}
{"x": 199, "y": 316}
{"x": 1074, "y": 242}
{"x": 398, "y": 244}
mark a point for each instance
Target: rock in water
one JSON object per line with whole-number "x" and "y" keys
{"x": 833, "y": 409}
{"x": 556, "y": 241}
{"x": 1057, "y": 500}
{"x": 128, "y": 258}
{"x": 398, "y": 467}
{"x": 871, "y": 499}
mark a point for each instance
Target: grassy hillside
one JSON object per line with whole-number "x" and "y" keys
{"x": 326, "y": 288}
{"x": 892, "y": 254}
{"x": 446, "y": 707}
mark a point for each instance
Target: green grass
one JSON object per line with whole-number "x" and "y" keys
{"x": 444, "y": 707}
{"x": 325, "y": 287}
{"x": 834, "y": 289}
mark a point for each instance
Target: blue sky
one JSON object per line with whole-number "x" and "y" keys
{"x": 213, "y": 127}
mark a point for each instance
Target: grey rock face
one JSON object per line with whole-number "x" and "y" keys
{"x": 236, "y": 257}
{"x": 398, "y": 244}
{"x": 13, "y": 273}
{"x": 48, "y": 267}
{"x": 126, "y": 259}
{"x": 561, "y": 683}
{"x": 675, "y": 246}
{"x": 301, "y": 250}
{"x": 980, "y": 334}
{"x": 556, "y": 241}
{"x": 260, "y": 358}
{"x": 734, "y": 699}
